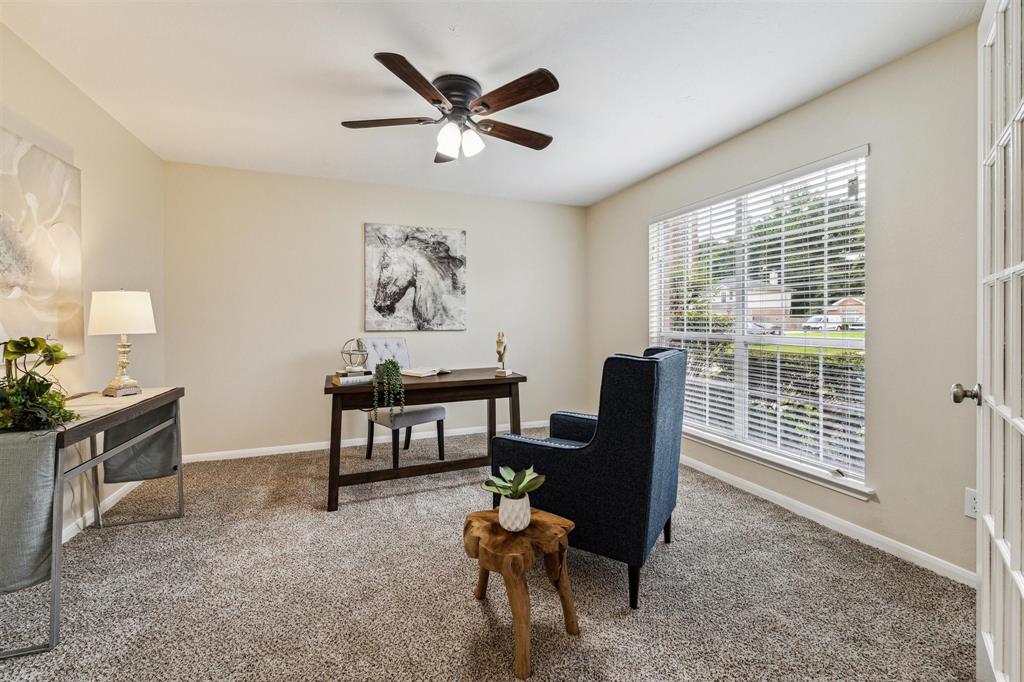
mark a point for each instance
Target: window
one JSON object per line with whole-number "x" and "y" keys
{"x": 765, "y": 289}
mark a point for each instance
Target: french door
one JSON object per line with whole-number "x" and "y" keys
{"x": 1000, "y": 326}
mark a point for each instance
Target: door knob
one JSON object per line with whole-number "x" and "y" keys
{"x": 958, "y": 393}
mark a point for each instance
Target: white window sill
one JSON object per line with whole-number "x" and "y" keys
{"x": 806, "y": 472}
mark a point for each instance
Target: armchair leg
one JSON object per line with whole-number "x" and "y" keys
{"x": 369, "y": 439}
{"x": 440, "y": 439}
{"x": 634, "y": 587}
{"x": 668, "y": 531}
{"x": 394, "y": 448}
{"x": 408, "y": 437}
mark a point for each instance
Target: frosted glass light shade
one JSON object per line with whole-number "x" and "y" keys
{"x": 448, "y": 140}
{"x": 472, "y": 144}
{"x": 121, "y": 312}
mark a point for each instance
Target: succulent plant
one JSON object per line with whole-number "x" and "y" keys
{"x": 513, "y": 485}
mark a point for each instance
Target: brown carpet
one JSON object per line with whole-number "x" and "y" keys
{"x": 258, "y": 582}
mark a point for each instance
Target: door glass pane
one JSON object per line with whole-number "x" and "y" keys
{"x": 989, "y": 97}
{"x": 987, "y": 311}
{"x": 1007, "y": 67}
{"x": 1006, "y": 358}
{"x": 988, "y": 232}
{"x": 1007, "y": 203}
{"x": 1009, "y": 483}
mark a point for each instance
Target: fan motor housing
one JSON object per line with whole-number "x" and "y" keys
{"x": 460, "y": 90}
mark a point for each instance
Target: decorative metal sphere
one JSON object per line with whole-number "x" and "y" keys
{"x": 354, "y": 353}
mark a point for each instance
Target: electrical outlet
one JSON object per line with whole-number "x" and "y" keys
{"x": 971, "y": 502}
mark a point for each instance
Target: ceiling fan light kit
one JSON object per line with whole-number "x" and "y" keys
{"x": 458, "y": 100}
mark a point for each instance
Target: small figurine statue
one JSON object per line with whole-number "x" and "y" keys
{"x": 502, "y": 349}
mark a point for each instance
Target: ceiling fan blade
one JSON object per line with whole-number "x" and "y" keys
{"x": 533, "y": 84}
{"x": 511, "y": 133}
{"x": 400, "y": 66}
{"x": 382, "y": 122}
{"x": 442, "y": 158}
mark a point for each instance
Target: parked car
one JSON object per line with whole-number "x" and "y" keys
{"x": 856, "y": 324}
{"x": 763, "y": 328}
{"x": 826, "y": 323}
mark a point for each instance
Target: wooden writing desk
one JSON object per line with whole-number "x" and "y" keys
{"x": 459, "y": 386}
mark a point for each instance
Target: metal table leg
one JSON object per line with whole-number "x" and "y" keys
{"x": 97, "y": 513}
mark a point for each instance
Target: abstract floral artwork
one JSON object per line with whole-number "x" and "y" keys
{"x": 40, "y": 244}
{"x": 415, "y": 278}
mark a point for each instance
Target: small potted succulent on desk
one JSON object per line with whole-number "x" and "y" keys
{"x": 514, "y": 488}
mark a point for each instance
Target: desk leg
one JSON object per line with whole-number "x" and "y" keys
{"x": 97, "y": 514}
{"x": 57, "y": 531}
{"x": 181, "y": 473}
{"x": 335, "y": 454}
{"x": 513, "y": 409}
{"x": 492, "y": 423}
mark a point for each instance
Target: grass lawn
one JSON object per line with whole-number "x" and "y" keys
{"x": 826, "y": 335}
{"x": 805, "y": 350}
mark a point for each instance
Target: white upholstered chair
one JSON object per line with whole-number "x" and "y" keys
{"x": 379, "y": 349}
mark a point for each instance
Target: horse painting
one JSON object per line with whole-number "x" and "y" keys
{"x": 415, "y": 278}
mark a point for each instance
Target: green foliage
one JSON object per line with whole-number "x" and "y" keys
{"x": 28, "y": 399}
{"x": 388, "y": 387}
{"x": 513, "y": 485}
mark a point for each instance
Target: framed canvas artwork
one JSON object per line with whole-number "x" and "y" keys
{"x": 415, "y": 278}
{"x": 40, "y": 244}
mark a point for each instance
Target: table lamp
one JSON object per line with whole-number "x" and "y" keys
{"x": 124, "y": 313}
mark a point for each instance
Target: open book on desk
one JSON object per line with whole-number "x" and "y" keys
{"x": 420, "y": 372}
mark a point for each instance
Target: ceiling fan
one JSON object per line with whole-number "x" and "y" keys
{"x": 458, "y": 99}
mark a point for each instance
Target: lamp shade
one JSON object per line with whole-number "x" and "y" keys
{"x": 121, "y": 312}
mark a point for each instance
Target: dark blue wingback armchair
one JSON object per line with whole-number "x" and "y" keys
{"x": 614, "y": 475}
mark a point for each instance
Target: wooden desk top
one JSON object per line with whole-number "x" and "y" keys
{"x": 99, "y": 412}
{"x": 458, "y": 378}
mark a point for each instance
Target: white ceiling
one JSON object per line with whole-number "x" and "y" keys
{"x": 263, "y": 86}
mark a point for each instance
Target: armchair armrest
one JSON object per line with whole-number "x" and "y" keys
{"x": 520, "y": 452}
{"x": 573, "y": 426}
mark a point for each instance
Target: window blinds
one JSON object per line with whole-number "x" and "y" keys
{"x": 765, "y": 289}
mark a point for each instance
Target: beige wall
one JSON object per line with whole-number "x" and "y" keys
{"x": 918, "y": 115}
{"x": 265, "y": 283}
{"x": 122, "y": 206}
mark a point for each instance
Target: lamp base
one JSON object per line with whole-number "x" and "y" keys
{"x": 121, "y": 386}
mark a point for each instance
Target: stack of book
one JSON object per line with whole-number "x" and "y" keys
{"x": 352, "y": 376}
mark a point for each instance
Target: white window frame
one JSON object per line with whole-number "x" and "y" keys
{"x": 747, "y": 450}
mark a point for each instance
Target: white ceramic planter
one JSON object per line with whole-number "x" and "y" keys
{"x": 514, "y": 515}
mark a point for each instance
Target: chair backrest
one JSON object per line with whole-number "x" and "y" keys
{"x": 642, "y": 398}
{"x": 641, "y": 421}
{"x": 381, "y": 348}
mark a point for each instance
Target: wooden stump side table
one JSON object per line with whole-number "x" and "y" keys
{"x": 512, "y": 555}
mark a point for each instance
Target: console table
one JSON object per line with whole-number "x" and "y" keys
{"x": 458, "y": 386}
{"x": 97, "y": 414}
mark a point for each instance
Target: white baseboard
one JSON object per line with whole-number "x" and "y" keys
{"x": 83, "y": 522}
{"x": 868, "y": 537}
{"x": 348, "y": 442}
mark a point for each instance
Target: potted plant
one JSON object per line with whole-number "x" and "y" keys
{"x": 28, "y": 401}
{"x": 31, "y": 409}
{"x": 514, "y": 488}
{"x": 388, "y": 387}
